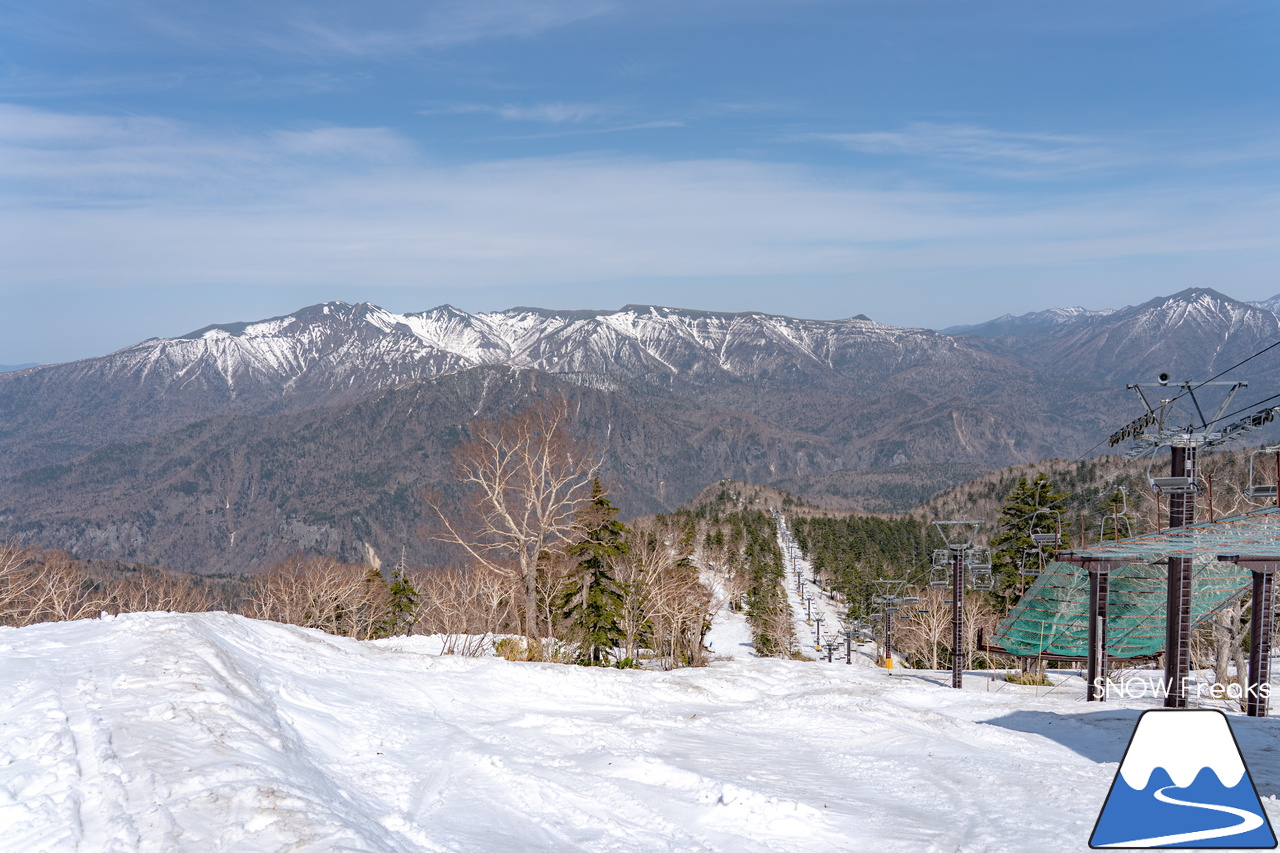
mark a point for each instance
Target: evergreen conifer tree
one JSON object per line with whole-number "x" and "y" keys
{"x": 1018, "y": 520}
{"x": 592, "y": 601}
{"x": 400, "y": 603}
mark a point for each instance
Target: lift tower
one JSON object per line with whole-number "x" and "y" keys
{"x": 1185, "y": 435}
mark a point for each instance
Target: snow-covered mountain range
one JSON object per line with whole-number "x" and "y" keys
{"x": 1191, "y": 335}
{"x": 1035, "y": 322}
{"x": 334, "y": 345}
{"x": 1203, "y": 301}
{"x": 329, "y": 422}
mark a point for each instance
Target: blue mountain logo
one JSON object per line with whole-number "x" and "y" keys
{"x": 1183, "y": 783}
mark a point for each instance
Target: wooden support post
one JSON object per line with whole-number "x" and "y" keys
{"x": 1099, "y": 570}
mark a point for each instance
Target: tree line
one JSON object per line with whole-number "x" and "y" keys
{"x": 550, "y": 574}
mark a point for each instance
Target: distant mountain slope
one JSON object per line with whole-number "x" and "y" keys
{"x": 237, "y": 492}
{"x": 321, "y": 429}
{"x": 9, "y": 368}
{"x": 1190, "y": 335}
{"x": 1272, "y": 304}
{"x": 801, "y": 373}
{"x": 1037, "y": 322}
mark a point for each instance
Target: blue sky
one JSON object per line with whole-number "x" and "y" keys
{"x": 168, "y": 165}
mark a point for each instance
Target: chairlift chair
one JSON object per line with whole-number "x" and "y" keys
{"x": 1169, "y": 485}
{"x": 1034, "y": 568}
{"x": 982, "y": 579}
{"x": 979, "y": 558}
{"x": 1258, "y": 489}
{"x": 1115, "y": 527}
{"x": 1051, "y": 539}
{"x": 940, "y": 570}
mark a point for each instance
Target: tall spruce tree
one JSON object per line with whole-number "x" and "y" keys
{"x": 592, "y": 602}
{"x": 1018, "y": 520}
{"x": 402, "y": 602}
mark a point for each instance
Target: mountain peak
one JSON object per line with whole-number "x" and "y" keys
{"x": 1196, "y": 296}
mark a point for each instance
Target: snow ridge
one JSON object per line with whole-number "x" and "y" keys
{"x": 364, "y": 337}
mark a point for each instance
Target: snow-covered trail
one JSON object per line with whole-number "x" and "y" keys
{"x": 822, "y": 605}
{"x": 211, "y": 732}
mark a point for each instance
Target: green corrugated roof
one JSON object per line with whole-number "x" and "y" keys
{"x": 1053, "y": 615}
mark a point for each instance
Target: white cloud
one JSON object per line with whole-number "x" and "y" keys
{"x": 1012, "y": 152}
{"x": 557, "y": 113}
{"x": 549, "y": 113}
{"x": 336, "y": 28}
{"x": 368, "y": 143}
{"x": 90, "y": 199}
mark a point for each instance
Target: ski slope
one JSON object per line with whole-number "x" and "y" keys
{"x": 213, "y": 732}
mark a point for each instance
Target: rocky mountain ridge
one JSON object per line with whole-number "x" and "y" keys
{"x": 338, "y": 417}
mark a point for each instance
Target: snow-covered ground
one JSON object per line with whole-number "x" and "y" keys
{"x": 213, "y": 732}
{"x": 821, "y": 620}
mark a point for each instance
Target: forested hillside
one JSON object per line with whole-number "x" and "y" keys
{"x": 852, "y": 551}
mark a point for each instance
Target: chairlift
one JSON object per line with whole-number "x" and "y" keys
{"x": 979, "y": 559}
{"x": 982, "y": 579}
{"x": 1051, "y": 539}
{"x": 940, "y": 569}
{"x": 1035, "y": 568}
{"x": 1120, "y": 514}
{"x": 1116, "y": 521}
{"x": 1258, "y": 489}
{"x": 1169, "y": 485}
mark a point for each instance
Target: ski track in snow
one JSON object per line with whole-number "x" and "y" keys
{"x": 212, "y": 732}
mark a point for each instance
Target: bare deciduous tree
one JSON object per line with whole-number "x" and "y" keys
{"x": 924, "y": 631}
{"x": 152, "y": 589}
{"x": 529, "y": 477}
{"x": 467, "y": 607}
{"x": 321, "y": 592}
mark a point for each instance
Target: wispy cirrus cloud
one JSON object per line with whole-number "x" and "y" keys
{"x": 148, "y": 200}
{"x": 563, "y": 119}
{"x": 1008, "y": 152}
{"x": 557, "y": 112}
{"x": 1022, "y": 155}
{"x": 54, "y": 158}
{"x": 316, "y": 28}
